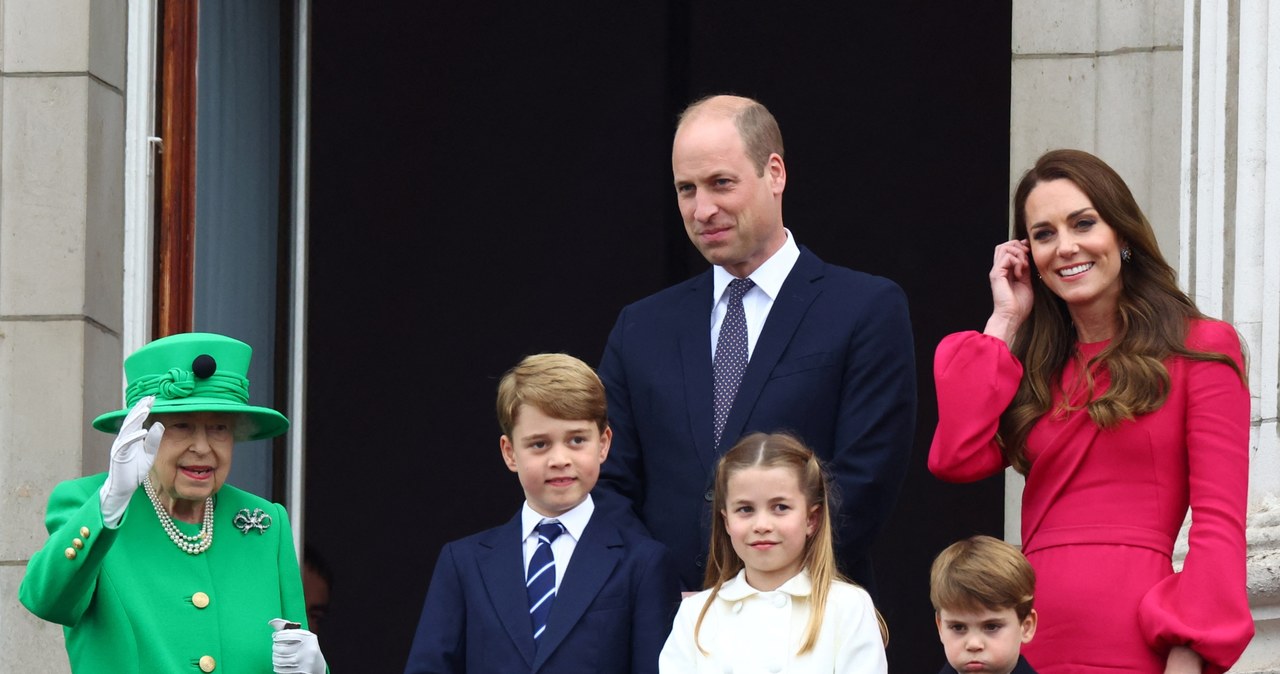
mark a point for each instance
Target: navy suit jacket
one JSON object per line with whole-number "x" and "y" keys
{"x": 834, "y": 364}
{"x": 1023, "y": 667}
{"x": 612, "y": 612}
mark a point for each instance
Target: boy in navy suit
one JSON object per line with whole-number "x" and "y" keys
{"x": 982, "y": 591}
{"x": 559, "y": 588}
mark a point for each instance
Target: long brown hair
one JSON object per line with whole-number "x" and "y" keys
{"x": 777, "y": 450}
{"x": 1154, "y": 314}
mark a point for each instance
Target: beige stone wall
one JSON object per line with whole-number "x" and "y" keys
{"x": 1103, "y": 76}
{"x": 62, "y": 66}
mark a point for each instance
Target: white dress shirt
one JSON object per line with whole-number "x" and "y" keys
{"x": 574, "y": 521}
{"x": 768, "y": 278}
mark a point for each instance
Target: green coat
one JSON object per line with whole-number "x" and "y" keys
{"x": 129, "y": 599}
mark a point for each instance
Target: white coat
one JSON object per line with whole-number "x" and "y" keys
{"x": 748, "y": 631}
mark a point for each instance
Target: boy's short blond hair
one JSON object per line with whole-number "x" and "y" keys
{"x": 982, "y": 572}
{"x": 558, "y": 384}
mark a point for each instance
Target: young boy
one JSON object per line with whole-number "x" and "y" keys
{"x": 982, "y": 591}
{"x": 559, "y": 588}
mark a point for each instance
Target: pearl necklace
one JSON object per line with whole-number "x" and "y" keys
{"x": 192, "y": 545}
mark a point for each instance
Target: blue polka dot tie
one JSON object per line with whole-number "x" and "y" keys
{"x": 542, "y": 577}
{"x": 731, "y": 355}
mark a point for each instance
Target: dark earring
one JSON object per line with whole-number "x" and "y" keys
{"x": 1126, "y": 254}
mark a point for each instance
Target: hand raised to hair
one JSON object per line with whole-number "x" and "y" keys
{"x": 1011, "y": 294}
{"x": 132, "y": 454}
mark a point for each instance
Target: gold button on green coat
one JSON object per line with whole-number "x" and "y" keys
{"x": 207, "y": 664}
{"x": 200, "y": 599}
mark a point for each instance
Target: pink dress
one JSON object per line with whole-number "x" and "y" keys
{"x": 1101, "y": 508}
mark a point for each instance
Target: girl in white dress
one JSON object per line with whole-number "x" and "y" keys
{"x": 775, "y": 601}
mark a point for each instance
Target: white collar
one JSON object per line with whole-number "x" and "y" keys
{"x": 574, "y": 521}
{"x": 768, "y": 277}
{"x": 737, "y": 589}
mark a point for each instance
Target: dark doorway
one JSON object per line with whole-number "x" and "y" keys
{"x": 491, "y": 182}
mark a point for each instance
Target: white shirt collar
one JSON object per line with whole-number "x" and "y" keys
{"x": 737, "y": 589}
{"x": 768, "y": 277}
{"x": 574, "y": 521}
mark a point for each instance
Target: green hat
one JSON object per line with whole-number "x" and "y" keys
{"x": 196, "y": 372}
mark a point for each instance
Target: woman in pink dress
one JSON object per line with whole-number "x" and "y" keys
{"x": 1098, "y": 379}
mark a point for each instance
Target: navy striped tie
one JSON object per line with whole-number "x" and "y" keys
{"x": 542, "y": 577}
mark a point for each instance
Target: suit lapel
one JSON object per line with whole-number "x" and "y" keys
{"x": 797, "y": 293}
{"x": 593, "y": 561}
{"x": 502, "y": 569}
{"x": 693, "y": 316}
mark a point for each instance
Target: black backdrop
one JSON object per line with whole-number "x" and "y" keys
{"x": 488, "y": 182}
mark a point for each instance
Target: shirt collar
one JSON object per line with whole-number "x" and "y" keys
{"x": 768, "y": 277}
{"x": 574, "y": 521}
{"x": 737, "y": 589}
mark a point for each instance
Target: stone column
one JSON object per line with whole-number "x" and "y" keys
{"x": 1104, "y": 77}
{"x": 62, "y": 67}
{"x": 1230, "y": 233}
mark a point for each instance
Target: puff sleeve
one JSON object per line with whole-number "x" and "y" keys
{"x": 976, "y": 378}
{"x": 1205, "y": 606}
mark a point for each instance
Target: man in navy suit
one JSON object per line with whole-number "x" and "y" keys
{"x": 829, "y": 353}
{"x": 559, "y": 588}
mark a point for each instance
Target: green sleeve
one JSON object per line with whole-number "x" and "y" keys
{"x": 62, "y": 576}
{"x": 292, "y": 601}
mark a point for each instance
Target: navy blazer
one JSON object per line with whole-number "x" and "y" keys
{"x": 612, "y": 612}
{"x": 834, "y": 364}
{"x": 1023, "y": 667}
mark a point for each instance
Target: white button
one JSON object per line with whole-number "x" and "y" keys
{"x": 737, "y": 607}
{"x": 775, "y": 668}
{"x": 780, "y": 600}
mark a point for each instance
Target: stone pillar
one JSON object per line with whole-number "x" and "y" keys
{"x": 1104, "y": 77}
{"x": 62, "y": 67}
{"x": 1230, "y": 233}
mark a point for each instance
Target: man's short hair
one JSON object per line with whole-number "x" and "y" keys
{"x": 756, "y": 126}
{"x": 982, "y": 572}
{"x": 559, "y": 385}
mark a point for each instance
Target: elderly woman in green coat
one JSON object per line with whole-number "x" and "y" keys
{"x": 186, "y": 574}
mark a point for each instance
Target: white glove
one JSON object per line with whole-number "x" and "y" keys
{"x": 132, "y": 454}
{"x": 295, "y": 650}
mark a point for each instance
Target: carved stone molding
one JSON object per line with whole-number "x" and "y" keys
{"x": 1263, "y": 532}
